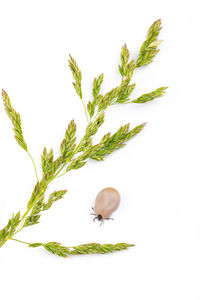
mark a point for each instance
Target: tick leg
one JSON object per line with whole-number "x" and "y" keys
{"x": 93, "y": 214}
{"x": 94, "y": 219}
{"x": 109, "y": 219}
{"x": 102, "y": 222}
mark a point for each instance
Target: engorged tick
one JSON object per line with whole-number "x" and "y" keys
{"x": 107, "y": 201}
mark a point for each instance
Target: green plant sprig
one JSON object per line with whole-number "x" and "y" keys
{"x": 73, "y": 154}
{"x": 91, "y": 248}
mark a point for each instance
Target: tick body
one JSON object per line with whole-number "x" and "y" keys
{"x": 107, "y": 201}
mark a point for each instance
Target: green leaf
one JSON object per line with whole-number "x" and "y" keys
{"x": 40, "y": 205}
{"x": 31, "y": 220}
{"x": 91, "y": 130}
{"x": 16, "y": 121}
{"x": 97, "y": 86}
{"x": 68, "y": 145}
{"x": 126, "y": 68}
{"x": 34, "y": 216}
{"x": 91, "y": 248}
{"x": 76, "y": 74}
{"x": 57, "y": 163}
{"x": 90, "y": 109}
{"x": 150, "y": 96}
{"x": 149, "y": 48}
{"x": 55, "y": 196}
{"x": 47, "y": 161}
{"x": 94, "y": 126}
{"x": 124, "y": 91}
{"x": 108, "y": 99}
{"x": 124, "y": 61}
{"x": 10, "y": 228}
{"x": 110, "y": 143}
{"x": 91, "y": 106}
{"x": 57, "y": 249}
{"x": 38, "y": 191}
{"x": 76, "y": 164}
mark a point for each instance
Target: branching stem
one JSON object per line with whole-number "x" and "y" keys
{"x": 109, "y": 143}
{"x": 33, "y": 165}
{"x": 86, "y": 114}
{"x": 19, "y": 241}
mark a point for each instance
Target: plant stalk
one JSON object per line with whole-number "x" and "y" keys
{"x": 34, "y": 166}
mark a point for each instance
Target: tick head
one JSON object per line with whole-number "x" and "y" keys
{"x": 99, "y": 217}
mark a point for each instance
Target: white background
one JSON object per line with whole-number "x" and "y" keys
{"x": 157, "y": 173}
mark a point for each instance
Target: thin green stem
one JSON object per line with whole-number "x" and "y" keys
{"x": 33, "y": 165}
{"x": 85, "y": 110}
{"x": 57, "y": 176}
{"x": 19, "y": 241}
